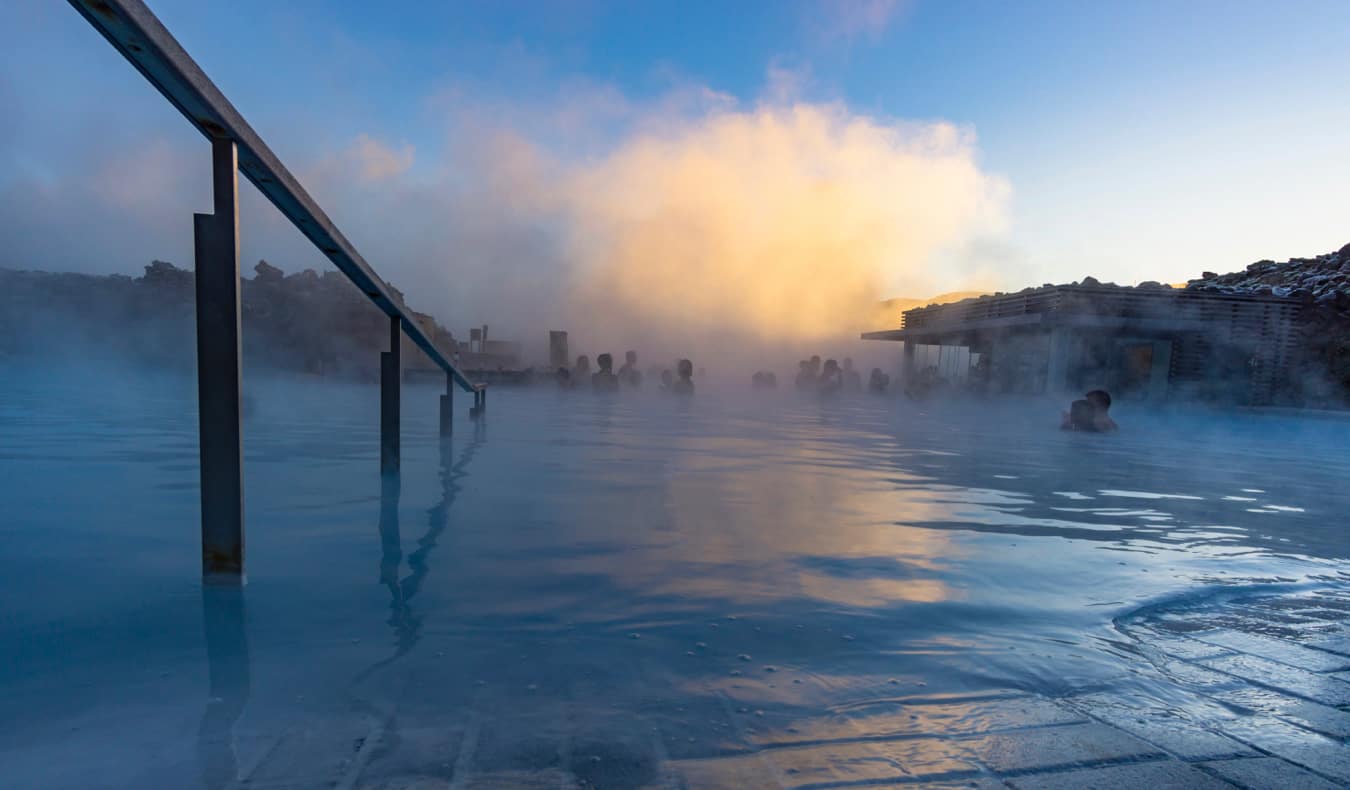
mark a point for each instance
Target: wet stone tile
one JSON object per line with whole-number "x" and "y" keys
{"x": 1188, "y": 649}
{"x": 1277, "y": 650}
{"x": 1198, "y": 677}
{"x": 1033, "y": 750}
{"x": 931, "y": 757}
{"x": 1299, "y": 682}
{"x": 1314, "y": 716}
{"x": 843, "y": 763}
{"x": 1152, "y": 775}
{"x": 1316, "y": 752}
{"x": 955, "y": 718}
{"x": 1268, "y": 772}
{"x": 1186, "y": 734}
{"x": 1337, "y": 641}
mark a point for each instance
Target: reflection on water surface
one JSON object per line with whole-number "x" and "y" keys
{"x": 602, "y": 588}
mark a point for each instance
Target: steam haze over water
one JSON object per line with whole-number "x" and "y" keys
{"x": 733, "y": 589}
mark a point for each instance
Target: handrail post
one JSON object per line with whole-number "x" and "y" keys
{"x": 391, "y": 379}
{"x": 448, "y": 405}
{"x": 216, "y": 243}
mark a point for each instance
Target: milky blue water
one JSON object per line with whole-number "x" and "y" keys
{"x": 605, "y": 566}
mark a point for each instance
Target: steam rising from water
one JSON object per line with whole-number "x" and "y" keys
{"x": 785, "y": 223}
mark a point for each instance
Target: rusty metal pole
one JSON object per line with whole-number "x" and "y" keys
{"x": 216, "y": 241}
{"x": 391, "y": 380}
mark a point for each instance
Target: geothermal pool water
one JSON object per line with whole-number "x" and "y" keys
{"x": 609, "y": 590}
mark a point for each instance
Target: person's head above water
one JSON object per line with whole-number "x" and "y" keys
{"x": 1082, "y": 416}
{"x": 605, "y": 361}
{"x": 685, "y": 368}
{"x": 831, "y": 365}
{"x": 583, "y": 362}
{"x": 1100, "y": 399}
{"x": 630, "y": 357}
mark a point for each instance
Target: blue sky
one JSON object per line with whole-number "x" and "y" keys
{"x": 1138, "y": 140}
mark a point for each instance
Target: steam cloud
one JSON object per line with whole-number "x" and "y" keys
{"x": 685, "y": 225}
{"x": 787, "y": 223}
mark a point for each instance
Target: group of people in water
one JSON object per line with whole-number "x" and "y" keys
{"x": 604, "y": 379}
{"x": 1091, "y": 413}
{"x": 826, "y": 378}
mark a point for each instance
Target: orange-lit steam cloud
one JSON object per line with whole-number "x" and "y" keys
{"x": 686, "y": 226}
{"x": 787, "y": 223}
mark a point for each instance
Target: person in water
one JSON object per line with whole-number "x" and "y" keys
{"x": 629, "y": 375}
{"x": 878, "y": 382}
{"x": 1101, "y": 404}
{"x": 684, "y": 385}
{"x": 582, "y": 372}
{"x": 1090, "y": 414}
{"x": 806, "y": 380}
{"x": 852, "y": 378}
{"x": 564, "y": 378}
{"x": 764, "y": 380}
{"x": 604, "y": 379}
{"x": 831, "y": 378}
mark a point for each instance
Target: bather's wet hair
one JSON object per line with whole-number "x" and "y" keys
{"x": 1099, "y": 398}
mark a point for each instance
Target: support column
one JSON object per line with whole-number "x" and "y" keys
{"x": 216, "y": 243}
{"x": 448, "y": 406}
{"x": 907, "y": 365}
{"x": 1057, "y": 365}
{"x": 391, "y": 384}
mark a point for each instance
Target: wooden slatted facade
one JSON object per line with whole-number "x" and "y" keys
{"x": 1230, "y": 347}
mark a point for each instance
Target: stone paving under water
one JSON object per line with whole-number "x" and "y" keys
{"x": 1248, "y": 692}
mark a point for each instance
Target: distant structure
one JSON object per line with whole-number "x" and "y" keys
{"x": 482, "y": 355}
{"x": 557, "y": 350}
{"x": 1148, "y": 342}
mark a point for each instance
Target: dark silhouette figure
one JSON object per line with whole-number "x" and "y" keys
{"x": 582, "y": 372}
{"x": 684, "y": 385}
{"x": 923, "y": 385}
{"x": 852, "y": 378}
{"x": 629, "y": 375}
{"x": 815, "y": 366}
{"x": 764, "y": 380}
{"x": 831, "y": 378}
{"x": 564, "y": 378}
{"x": 604, "y": 379}
{"x": 806, "y": 380}
{"x": 878, "y": 382}
{"x": 1101, "y": 404}
{"x": 1080, "y": 417}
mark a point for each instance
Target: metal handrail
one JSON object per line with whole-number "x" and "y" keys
{"x": 144, "y": 41}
